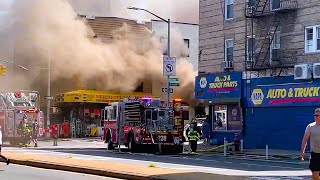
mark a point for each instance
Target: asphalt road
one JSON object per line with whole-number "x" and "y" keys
{"x": 16, "y": 172}
{"x": 199, "y": 163}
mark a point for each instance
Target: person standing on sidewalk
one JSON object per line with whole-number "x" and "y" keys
{"x": 35, "y": 132}
{"x": 2, "y": 156}
{"x": 206, "y": 132}
{"x": 313, "y": 132}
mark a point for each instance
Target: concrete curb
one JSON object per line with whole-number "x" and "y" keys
{"x": 84, "y": 170}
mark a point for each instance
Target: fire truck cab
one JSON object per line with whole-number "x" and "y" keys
{"x": 141, "y": 124}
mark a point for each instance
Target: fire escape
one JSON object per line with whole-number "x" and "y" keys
{"x": 264, "y": 47}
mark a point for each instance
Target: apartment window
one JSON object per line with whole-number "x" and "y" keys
{"x": 163, "y": 40}
{"x": 229, "y": 50}
{"x": 275, "y": 4}
{"x": 250, "y": 48}
{"x": 312, "y": 39}
{"x": 250, "y": 3}
{"x": 275, "y": 44}
{"x": 228, "y": 9}
{"x": 187, "y": 44}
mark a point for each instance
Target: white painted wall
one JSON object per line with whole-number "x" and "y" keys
{"x": 187, "y": 31}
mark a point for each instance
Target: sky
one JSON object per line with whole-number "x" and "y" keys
{"x": 176, "y": 10}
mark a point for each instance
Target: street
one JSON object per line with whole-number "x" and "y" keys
{"x": 249, "y": 166}
{"x": 17, "y": 172}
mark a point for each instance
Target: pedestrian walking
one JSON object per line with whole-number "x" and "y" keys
{"x": 206, "y": 132}
{"x": 2, "y": 156}
{"x": 313, "y": 132}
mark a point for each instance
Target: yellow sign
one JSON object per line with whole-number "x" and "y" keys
{"x": 257, "y": 96}
{"x": 91, "y": 96}
{"x": 3, "y": 70}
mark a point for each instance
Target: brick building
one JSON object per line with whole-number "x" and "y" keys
{"x": 257, "y": 69}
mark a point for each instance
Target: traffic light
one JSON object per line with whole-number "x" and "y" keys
{"x": 3, "y": 70}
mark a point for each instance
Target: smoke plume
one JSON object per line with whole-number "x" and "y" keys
{"x": 44, "y": 30}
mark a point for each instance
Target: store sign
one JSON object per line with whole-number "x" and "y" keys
{"x": 95, "y": 97}
{"x": 222, "y": 85}
{"x": 286, "y": 95}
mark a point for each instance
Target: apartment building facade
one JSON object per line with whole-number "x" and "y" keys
{"x": 258, "y": 70}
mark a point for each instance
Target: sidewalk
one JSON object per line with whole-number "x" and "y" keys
{"x": 258, "y": 152}
{"x": 109, "y": 169}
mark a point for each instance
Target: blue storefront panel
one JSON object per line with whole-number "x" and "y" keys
{"x": 279, "y": 127}
{"x": 278, "y": 109}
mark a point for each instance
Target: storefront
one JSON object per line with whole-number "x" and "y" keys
{"x": 277, "y": 110}
{"x": 222, "y": 94}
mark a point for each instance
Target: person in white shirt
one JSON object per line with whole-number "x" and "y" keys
{"x": 2, "y": 156}
{"x": 312, "y": 132}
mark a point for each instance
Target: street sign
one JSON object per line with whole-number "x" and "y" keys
{"x": 165, "y": 90}
{"x": 169, "y": 66}
{"x": 48, "y": 97}
{"x": 174, "y": 81}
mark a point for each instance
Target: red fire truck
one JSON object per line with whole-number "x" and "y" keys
{"x": 14, "y": 108}
{"x": 143, "y": 125}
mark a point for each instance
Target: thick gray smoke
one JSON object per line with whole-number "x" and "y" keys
{"x": 47, "y": 29}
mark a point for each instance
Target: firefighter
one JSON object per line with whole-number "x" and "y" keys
{"x": 35, "y": 131}
{"x": 26, "y": 133}
{"x": 193, "y": 137}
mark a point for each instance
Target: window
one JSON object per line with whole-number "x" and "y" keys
{"x": 228, "y": 9}
{"x": 312, "y": 39}
{"x": 220, "y": 117}
{"x": 250, "y": 48}
{"x": 275, "y": 4}
{"x": 275, "y": 44}
{"x": 163, "y": 41}
{"x": 229, "y": 50}
{"x": 187, "y": 44}
{"x": 250, "y": 3}
{"x": 227, "y": 118}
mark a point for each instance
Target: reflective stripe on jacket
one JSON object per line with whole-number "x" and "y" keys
{"x": 193, "y": 136}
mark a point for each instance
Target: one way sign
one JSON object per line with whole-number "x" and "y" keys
{"x": 165, "y": 90}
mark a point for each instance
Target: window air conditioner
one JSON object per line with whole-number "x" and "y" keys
{"x": 302, "y": 71}
{"x": 227, "y": 64}
{"x": 316, "y": 70}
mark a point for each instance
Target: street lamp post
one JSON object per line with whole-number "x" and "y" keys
{"x": 49, "y": 90}
{"x": 168, "y": 48}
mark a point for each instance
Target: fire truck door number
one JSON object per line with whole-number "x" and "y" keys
{"x": 162, "y": 138}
